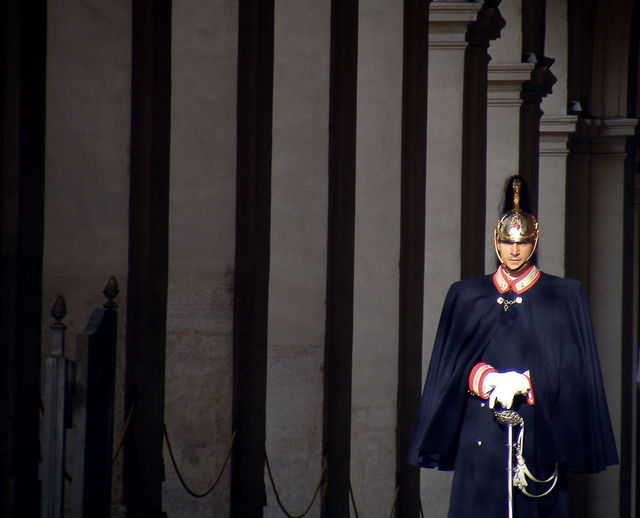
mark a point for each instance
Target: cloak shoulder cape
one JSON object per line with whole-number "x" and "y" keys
{"x": 572, "y": 425}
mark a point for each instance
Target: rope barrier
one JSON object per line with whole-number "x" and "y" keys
{"x": 122, "y": 435}
{"x": 181, "y": 478}
{"x": 195, "y": 494}
{"x": 315, "y": 493}
{"x": 393, "y": 505}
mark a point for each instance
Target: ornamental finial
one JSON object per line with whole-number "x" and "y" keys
{"x": 58, "y": 312}
{"x": 111, "y": 292}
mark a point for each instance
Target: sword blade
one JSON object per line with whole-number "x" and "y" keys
{"x": 510, "y": 468}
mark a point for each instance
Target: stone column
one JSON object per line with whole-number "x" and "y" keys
{"x": 608, "y": 291}
{"x": 600, "y": 222}
{"x": 503, "y": 140}
{"x": 448, "y": 24}
{"x": 555, "y": 128}
{"x": 149, "y": 173}
{"x": 533, "y": 91}
{"x": 377, "y": 249}
{"x": 506, "y": 75}
{"x": 201, "y": 254}
{"x": 554, "y": 135}
{"x": 298, "y": 262}
{"x": 252, "y": 255}
{"x": 474, "y": 137}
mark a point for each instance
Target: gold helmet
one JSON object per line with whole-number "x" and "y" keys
{"x": 516, "y": 226}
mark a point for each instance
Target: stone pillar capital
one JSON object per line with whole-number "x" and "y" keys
{"x": 448, "y": 23}
{"x": 505, "y": 82}
{"x": 554, "y": 134}
{"x": 603, "y": 136}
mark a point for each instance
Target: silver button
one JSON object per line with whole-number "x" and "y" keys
{"x": 479, "y": 443}
{"x": 482, "y": 405}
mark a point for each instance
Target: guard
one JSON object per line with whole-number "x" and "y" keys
{"x": 520, "y": 341}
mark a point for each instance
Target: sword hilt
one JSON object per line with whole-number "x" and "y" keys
{"x": 509, "y": 417}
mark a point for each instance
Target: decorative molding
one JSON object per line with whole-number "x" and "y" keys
{"x": 453, "y": 13}
{"x": 505, "y": 83}
{"x": 448, "y": 23}
{"x": 554, "y": 134}
{"x": 558, "y": 124}
{"x": 603, "y": 136}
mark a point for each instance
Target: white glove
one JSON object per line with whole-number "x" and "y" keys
{"x": 504, "y": 386}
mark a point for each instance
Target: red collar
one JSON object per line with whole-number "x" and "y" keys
{"x": 504, "y": 283}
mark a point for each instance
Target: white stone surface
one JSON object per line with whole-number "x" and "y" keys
{"x": 377, "y": 255}
{"x": 606, "y": 278}
{"x": 555, "y": 128}
{"x": 298, "y": 263}
{"x": 447, "y": 29}
{"x": 605, "y": 297}
{"x": 554, "y": 134}
{"x": 87, "y": 154}
{"x": 556, "y": 40}
{"x": 198, "y": 381}
{"x": 508, "y": 47}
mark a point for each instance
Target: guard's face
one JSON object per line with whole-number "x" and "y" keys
{"x": 513, "y": 254}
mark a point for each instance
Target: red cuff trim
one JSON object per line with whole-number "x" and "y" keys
{"x": 530, "y": 399}
{"x": 476, "y": 379}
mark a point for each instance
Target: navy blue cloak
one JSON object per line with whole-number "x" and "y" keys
{"x": 550, "y": 334}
